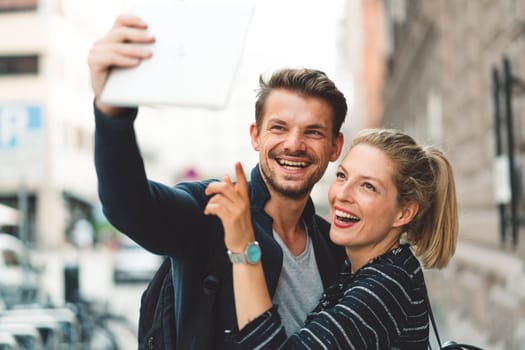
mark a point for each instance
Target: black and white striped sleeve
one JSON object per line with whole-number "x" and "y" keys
{"x": 264, "y": 332}
{"x": 371, "y": 313}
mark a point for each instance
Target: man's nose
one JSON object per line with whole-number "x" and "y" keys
{"x": 295, "y": 141}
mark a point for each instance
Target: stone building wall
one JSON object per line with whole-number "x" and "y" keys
{"x": 439, "y": 89}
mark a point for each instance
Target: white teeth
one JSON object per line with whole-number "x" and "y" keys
{"x": 292, "y": 164}
{"x": 344, "y": 215}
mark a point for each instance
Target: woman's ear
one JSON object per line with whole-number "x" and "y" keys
{"x": 407, "y": 214}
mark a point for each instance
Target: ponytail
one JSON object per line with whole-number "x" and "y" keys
{"x": 439, "y": 226}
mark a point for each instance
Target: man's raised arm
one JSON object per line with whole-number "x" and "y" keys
{"x": 117, "y": 49}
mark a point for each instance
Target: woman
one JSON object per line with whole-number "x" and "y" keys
{"x": 391, "y": 201}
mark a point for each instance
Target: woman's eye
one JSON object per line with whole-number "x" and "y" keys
{"x": 340, "y": 175}
{"x": 369, "y": 186}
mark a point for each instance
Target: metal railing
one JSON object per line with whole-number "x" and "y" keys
{"x": 508, "y": 189}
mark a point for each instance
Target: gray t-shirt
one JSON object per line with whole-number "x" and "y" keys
{"x": 299, "y": 287}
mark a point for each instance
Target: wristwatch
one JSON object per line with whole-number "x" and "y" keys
{"x": 251, "y": 255}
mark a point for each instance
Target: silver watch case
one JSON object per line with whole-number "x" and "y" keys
{"x": 251, "y": 255}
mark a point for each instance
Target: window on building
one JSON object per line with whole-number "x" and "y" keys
{"x": 18, "y": 64}
{"x": 18, "y": 5}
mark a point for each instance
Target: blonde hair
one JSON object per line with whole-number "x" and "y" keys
{"x": 423, "y": 175}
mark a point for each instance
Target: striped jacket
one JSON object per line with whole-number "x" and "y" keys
{"x": 381, "y": 306}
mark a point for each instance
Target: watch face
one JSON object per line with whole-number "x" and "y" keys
{"x": 253, "y": 253}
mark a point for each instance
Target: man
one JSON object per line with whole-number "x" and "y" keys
{"x": 299, "y": 113}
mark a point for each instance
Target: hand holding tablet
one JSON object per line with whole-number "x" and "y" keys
{"x": 196, "y": 53}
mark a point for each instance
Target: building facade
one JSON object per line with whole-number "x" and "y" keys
{"x": 455, "y": 73}
{"x": 46, "y": 122}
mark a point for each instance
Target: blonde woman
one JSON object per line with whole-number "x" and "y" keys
{"x": 393, "y": 208}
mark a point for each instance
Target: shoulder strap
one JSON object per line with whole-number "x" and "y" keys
{"x": 199, "y": 326}
{"x": 156, "y": 318}
{"x": 431, "y": 316}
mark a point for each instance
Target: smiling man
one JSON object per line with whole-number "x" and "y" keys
{"x": 291, "y": 137}
{"x": 298, "y": 116}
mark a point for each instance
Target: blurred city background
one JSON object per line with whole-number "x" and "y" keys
{"x": 449, "y": 72}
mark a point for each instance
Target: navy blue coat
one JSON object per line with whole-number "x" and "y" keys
{"x": 170, "y": 221}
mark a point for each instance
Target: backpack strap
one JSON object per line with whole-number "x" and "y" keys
{"x": 197, "y": 333}
{"x": 156, "y": 321}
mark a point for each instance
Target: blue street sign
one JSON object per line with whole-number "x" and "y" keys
{"x": 18, "y": 122}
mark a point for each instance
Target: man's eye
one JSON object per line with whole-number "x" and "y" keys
{"x": 277, "y": 128}
{"x": 315, "y": 133}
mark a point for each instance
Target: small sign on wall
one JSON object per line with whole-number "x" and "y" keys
{"x": 19, "y": 123}
{"x": 21, "y": 142}
{"x": 501, "y": 174}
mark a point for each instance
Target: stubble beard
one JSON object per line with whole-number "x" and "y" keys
{"x": 297, "y": 192}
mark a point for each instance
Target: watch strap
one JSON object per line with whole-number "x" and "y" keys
{"x": 237, "y": 258}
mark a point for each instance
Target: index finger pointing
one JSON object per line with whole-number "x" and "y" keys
{"x": 130, "y": 21}
{"x": 242, "y": 183}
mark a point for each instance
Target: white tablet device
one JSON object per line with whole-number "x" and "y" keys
{"x": 196, "y": 55}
